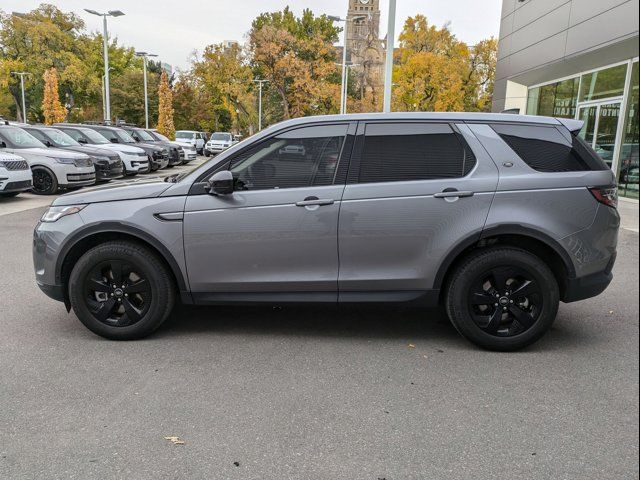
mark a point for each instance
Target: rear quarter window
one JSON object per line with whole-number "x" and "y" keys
{"x": 547, "y": 149}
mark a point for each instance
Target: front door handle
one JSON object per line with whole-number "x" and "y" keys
{"x": 315, "y": 201}
{"x": 453, "y": 194}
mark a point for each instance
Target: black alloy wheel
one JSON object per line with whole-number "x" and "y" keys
{"x": 505, "y": 301}
{"x": 117, "y": 293}
{"x": 121, "y": 290}
{"x": 502, "y": 298}
{"x": 44, "y": 181}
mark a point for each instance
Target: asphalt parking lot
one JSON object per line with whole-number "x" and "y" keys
{"x": 306, "y": 393}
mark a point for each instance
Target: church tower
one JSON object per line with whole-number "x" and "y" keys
{"x": 363, "y": 43}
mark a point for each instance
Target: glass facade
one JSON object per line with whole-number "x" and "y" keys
{"x": 628, "y": 164}
{"x": 600, "y": 98}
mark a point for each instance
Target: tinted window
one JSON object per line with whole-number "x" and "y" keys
{"x": 412, "y": 151}
{"x": 546, "y": 149}
{"x": 38, "y": 134}
{"x": 299, "y": 158}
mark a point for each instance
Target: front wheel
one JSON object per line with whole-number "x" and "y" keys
{"x": 121, "y": 291}
{"x": 44, "y": 181}
{"x": 502, "y": 298}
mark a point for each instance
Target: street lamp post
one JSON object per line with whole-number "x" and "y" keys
{"x": 260, "y": 83}
{"x": 343, "y": 96}
{"x": 388, "y": 73}
{"x": 24, "y": 108}
{"x": 105, "y": 48}
{"x": 145, "y": 56}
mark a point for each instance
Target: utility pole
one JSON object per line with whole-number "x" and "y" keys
{"x": 105, "y": 54}
{"x": 343, "y": 96}
{"x": 24, "y": 108}
{"x": 388, "y": 73}
{"x": 145, "y": 56}
{"x": 260, "y": 83}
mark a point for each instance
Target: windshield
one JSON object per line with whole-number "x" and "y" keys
{"x": 159, "y": 136}
{"x": 60, "y": 139}
{"x": 185, "y": 135}
{"x": 225, "y": 137}
{"x": 124, "y": 136}
{"x": 116, "y": 135}
{"x": 144, "y": 135}
{"x": 93, "y": 136}
{"x": 18, "y": 138}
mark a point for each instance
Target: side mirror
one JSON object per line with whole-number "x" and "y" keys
{"x": 83, "y": 141}
{"x": 49, "y": 144}
{"x": 221, "y": 183}
{"x": 114, "y": 140}
{"x": 3, "y": 145}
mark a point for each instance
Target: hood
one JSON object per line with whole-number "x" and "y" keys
{"x": 119, "y": 147}
{"x": 51, "y": 152}
{"x": 9, "y": 156}
{"x": 92, "y": 151}
{"x": 109, "y": 193}
{"x": 150, "y": 146}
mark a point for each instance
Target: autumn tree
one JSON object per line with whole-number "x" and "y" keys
{"x": 165, "y": 108}
{"x": 434, "y": 71}
{"x": 297, "y": 57}
{"x": 226, "y": 82}
{"x": 52, "y": 109}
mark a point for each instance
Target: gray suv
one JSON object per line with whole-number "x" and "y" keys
{"x": 496, "y": 217}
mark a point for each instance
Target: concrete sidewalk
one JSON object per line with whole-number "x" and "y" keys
{"x": 629, "y": 214}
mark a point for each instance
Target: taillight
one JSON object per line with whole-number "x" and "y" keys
{"x": 606, "y": 195}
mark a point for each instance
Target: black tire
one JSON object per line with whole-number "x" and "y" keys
{"x": 9, "y": 194}
{"x": 142, "y": 300}
{"x": 502, "y": 298}
{"x": 44, "y": 181}
{"x": 207, "y": 154}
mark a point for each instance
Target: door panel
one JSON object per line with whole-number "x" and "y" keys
{"x": 394, "y": 236}
{"x": 261, "y": 241}
{"x": 277, "y": 233}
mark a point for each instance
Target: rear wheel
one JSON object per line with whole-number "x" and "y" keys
{"x": 121, "y": 291}
{"x": 44, "y": 181}
{"x": 502, "y": 298}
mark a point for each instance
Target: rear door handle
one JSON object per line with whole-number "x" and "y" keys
{"x": 315, "y": 201}
{"x": 453, "y": 194}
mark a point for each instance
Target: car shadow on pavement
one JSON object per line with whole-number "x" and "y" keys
{"x": 356, "y": 322}
{"x": 311, "y": 320}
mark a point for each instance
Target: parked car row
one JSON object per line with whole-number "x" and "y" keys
{"x": 48, "y": 159}
{"x": 206, "y": 144}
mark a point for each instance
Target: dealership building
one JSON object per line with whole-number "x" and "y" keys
{"x": 575, "y": 59}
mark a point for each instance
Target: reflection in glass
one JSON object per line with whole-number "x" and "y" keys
{"x": 628, "y": 176}
{"x": 603, "y": 83}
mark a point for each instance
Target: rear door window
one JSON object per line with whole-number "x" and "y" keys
{"x": 396, "y": 152}
{"x": 547, "y": 149}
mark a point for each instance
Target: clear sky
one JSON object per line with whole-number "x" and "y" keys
{"x": 174, "y": 29}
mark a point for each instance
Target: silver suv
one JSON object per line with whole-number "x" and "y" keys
{"x": 496, "y": 217}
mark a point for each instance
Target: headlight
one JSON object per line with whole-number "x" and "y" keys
{"x": 66, "y": 161}
{"x": 53, "y": 214}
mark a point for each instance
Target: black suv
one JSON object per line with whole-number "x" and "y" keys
{"x": 176, "y": 154}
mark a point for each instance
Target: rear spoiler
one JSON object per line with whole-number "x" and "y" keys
{"x": 574, "y": 126}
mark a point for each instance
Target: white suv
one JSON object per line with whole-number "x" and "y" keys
{"x": 192, "y": 139}
{"x": 135, "y": 159}
{"x": 15, "y": 175}
{"x": 219, "y": 142}
{"x": 53, "y": 169}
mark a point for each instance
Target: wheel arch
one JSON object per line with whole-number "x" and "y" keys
{"x": 531, "y": 240}
{"x": 84, "y": 240}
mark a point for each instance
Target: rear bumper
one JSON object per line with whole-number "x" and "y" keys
{"x": 590, "y": 285}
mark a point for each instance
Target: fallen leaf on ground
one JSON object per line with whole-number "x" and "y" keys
{"x": 175, "y": 440}
{"x": 411, "y": 345}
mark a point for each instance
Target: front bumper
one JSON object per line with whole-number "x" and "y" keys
{"x": 55, "y": 292}
{"x": 106, "y": 172}
{"x": 15, "y": 181}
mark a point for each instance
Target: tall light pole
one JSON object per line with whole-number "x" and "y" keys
{"x": 145, "y": 56}
{"x": 343, "y": 96}
{"x": 388, "y": 72}
{"x": 105, "y": 53}
{"x": 24, "y": 108}
{"x": 343, "y": 106}
{"x": 260, "y": 83}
